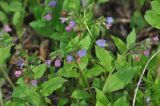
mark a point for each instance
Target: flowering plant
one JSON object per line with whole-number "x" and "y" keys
{"x": 65, "y": 53}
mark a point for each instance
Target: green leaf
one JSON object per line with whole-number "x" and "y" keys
{"x": 3, "y": 17}
{"x": 152, "y": 18}
{"x": 17, "y": 21}
{"x": 131, "y": 38}
{"x": 51, "y": 85}
{"x": 83, "y": 62}
{"x": 119, "y": 79}
{"x": 39, "y": 70}
{"x": 5, "y": 40}
{"x": 101, "y": 99}
{"x": 4, "y": 54}
{"x": 119, "y": 44}
{"x": 5, "y": 6}
{"x": 34, "y": 98}
{"x": 80, "y": 94}
{"x": 121, "y": 61}
{"x": 156, "y": 6}
{"x": 73, "y": 5}
{"x": 68, "y": 73}
{"x": 121, "y": 102}
{"x": 85, "y": 42}
{"x": 16, "y": 7}
{"x": 102, "y": 1}
{"x": 30, "y": 95}
{"x": 94, "y": 71}
{"x": 105, "y": 57}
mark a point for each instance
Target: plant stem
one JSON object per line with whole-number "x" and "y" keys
{"x": 140, "y": 79}
{"x": 88, "y": 28}
{"x": 7, "y": 77}
{"x": 1, "y": 101}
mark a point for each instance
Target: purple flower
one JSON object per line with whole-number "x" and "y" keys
{"x": 48, "y": 17}
{"x": 48, "y": 62}
{"x": 34, "y": 82}
{"x": 18, "y": 73}
{"x": 52, "y": 3}
{"x": 72, "y": 24}
{"x": 63, "y": 19}
{"x": 81, "y": 53}
{"x": 6, "y": 28}
{"x": 109, "y": 20}
{"x": 101, "y": 42}
{"x": 146, "y": 52}
{"x": 68, "y": 28}
{"x": 69, "y": 58}
{"x": 57, "y": 62}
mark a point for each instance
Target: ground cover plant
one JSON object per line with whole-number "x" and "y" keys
{"x": 79, "y": 53}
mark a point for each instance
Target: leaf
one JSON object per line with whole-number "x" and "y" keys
{"x": 39, "y": 70}
{"x": 131, "y": 38}
{"x": 3, "y": 17}
{"x": 42, "y": 28}
{"x": 83, "y": 62}
{"x": 101, "y": 99}
{"x": 5, "y": 40}
{"x": 5, "y": 6}
{"x": 85, "y": 42}
{"x": 152, "y": 18}
{"x": 121, "y": 61}
{"x": 102, "y": 1}
{"x": 119, "y": 79}
{"x": 51, "y": 85}
{"x": 15, "y": 7}
{"x": 30, "y": 95}
{"x": 17, "y": 21}
{"x": 121, "y": 102}
{"x": 156, "y": 6}
{"x": 105, "y": 57}
{"x": 80, "y": 94}
{"x": 73, "y": 5}
{"x": 4, "y": 54}
{"x": 119, "y": 44}
{"x": 97, "y": 83}
{"x": 68, "y": 73}
{"x": 94, "y": 71}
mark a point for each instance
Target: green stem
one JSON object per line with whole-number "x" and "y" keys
{"x": 142, "y": 74}
{"x": 7, "y": 77}
{"x": 83, "y": 78}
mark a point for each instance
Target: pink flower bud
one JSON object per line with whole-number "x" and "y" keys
{"x": 18, "y": 73}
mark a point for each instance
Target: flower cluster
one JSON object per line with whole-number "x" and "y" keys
{"x": 101, "y": 43}
{"x": 71, "y": 25}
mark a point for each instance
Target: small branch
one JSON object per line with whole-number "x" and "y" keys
{"x": 7, "y": 77}
{"x": 140, "y": 79}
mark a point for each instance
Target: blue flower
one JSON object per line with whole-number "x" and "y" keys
{"x": 72, "y": 24}
{"x": 101, "y": 42}
{"x": 109, "y": 20}
{"x": 81, "y": 53}
{"x": 69, "y": 58}
{"x": 52, "y": 3}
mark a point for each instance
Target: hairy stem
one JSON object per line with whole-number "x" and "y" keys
{"x": 142, "y": 74}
